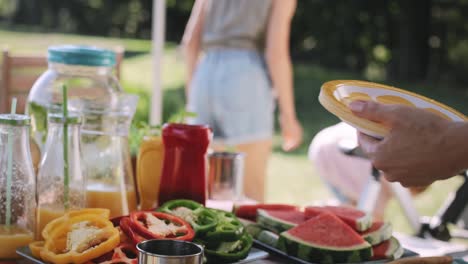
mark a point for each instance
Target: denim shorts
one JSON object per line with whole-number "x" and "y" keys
{"x": 231, "y": 92}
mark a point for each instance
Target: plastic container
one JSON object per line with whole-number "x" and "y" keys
{"x": 22, "y": 201}
{"x": 185, "y": 162}
{"x": 55, "y": 197}
{"x": 149, "y": 170}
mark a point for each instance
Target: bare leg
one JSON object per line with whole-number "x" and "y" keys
{"x": 256, "y": 160}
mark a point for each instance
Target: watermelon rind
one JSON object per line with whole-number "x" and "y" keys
{"x": 378, "y": 236}
{"x": 316, "y": 253}
{"x": 395, "y": 250}
{"x": 254, "y": 230}
{"x": 269, "y": 238}
{"x": 363, "y": 223}
{"x": 272, "y": 223}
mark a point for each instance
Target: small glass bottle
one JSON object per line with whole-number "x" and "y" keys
{"x": 55, "y": 193}
{"x": 18, "y": 204}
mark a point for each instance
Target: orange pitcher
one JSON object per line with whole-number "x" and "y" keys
{"x": 149, "y": 168}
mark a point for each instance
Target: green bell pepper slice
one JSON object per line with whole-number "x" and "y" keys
{"x": 229, "y": 228}
{"x": 228, "y": 252}
{"x": 200, "y": 218}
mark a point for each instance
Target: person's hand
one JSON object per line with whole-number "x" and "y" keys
{"x": 416, "y": 151}
{"x": 291, "y": 131}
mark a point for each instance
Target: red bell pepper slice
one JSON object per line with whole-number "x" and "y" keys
{"x": 125, "y": 253}
{"x": 126, "y": 226}
{"x": 158, "y": 225}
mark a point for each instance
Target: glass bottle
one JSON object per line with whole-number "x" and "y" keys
{"x": 55, "y": 195}
{"x": 17, "y": 226}
{"x": 184, "y": 167}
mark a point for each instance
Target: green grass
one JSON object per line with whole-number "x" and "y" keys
{"x": 291, "y": 177}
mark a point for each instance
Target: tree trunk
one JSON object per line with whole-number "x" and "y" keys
{"x": 411, "y": 48}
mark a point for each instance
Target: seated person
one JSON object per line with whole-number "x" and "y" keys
{"x": 346, "y": 176}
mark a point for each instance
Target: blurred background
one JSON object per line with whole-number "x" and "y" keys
{"x": 418, "y": 45}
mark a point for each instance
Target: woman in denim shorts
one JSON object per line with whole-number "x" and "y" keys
{"x": 238, "y": 62}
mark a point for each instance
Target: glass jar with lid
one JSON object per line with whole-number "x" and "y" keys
{"x": 88, "y": 73}
{"x": 95, "y": 94}
{"x": 17, "y": 187}
{"x": 59, "y": 187}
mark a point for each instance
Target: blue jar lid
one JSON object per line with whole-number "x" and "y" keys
{"x": 81, "y": 55}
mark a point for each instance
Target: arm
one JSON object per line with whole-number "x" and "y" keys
{"x": 280, "y": 68}
{"x": 191, "y": 41}
{"x": 420, "y": 147}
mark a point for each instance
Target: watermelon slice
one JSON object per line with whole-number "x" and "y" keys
{"x": 356, "y": 219}
{"x": 269, "y": 238}
{"x": 279, "y": 221}
{"x": 390, "y": 249}
{"x": 249, "y": 211}
{"x": 325, "y": 239}
{"x": 377, "y": 233}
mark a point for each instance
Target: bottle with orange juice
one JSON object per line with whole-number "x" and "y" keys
{"x": 61, "y": 182}
{"x": 149, "y": 169}
{"x": 17, "y": 185}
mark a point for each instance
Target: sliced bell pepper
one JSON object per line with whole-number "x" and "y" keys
{"x": 228, "y": 252}
{"x": 125, "y": 253}
{"x": 229, "y": 228}
{"x": 173, "y": 204}
{"x": 200, "y": 218}
{"x": 126, "y": 226}
{"x": 82, "y": 238}
{"x": 158, "y": 225}
{"x": 36, "y": 248}
{"x": 105, "y": 213}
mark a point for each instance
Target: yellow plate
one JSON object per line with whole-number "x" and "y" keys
{"x": 335, "y": 96}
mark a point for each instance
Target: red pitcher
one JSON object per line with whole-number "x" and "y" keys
{"x": 184, "y": 168}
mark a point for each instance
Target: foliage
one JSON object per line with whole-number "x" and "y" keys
{"x": 388, "y": 39}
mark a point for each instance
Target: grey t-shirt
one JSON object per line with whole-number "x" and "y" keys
{"x": 237, "y": 24}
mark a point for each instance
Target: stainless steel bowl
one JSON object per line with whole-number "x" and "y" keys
{"x": 169, "y": 252}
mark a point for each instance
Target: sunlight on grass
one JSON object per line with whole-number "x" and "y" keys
{"x": 292, "y": 179}
{"x": 138, "y": 70}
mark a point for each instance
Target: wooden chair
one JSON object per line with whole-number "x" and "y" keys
{"x": 20, "y": 72}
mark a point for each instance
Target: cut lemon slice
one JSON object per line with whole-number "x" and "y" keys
{"x": 392, "y": 99}
{"x": 335, "y": 96}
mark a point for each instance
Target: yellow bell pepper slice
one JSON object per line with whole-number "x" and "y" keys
{"x": 80, "y": 239}
{"x": 105, "y": 213}
{"x": 36, "y": 248}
